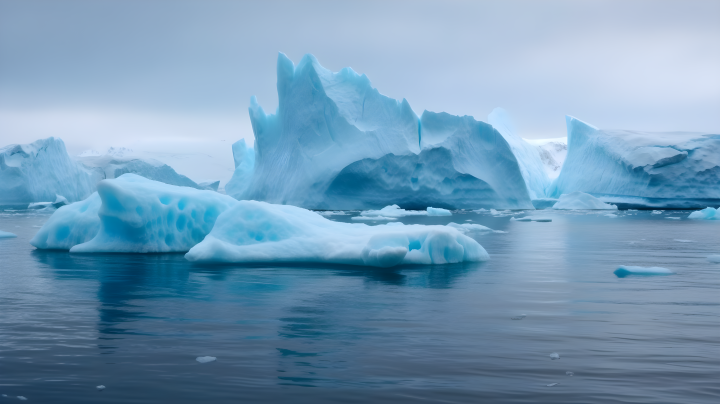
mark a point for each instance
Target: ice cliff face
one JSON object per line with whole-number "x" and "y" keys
{"x": 40, "y": 171}
{"x": 552, "y": 154}
{"x": 666, "y": 170}
{"x": 244, "y": 157}
{"x": 337, "y": 143}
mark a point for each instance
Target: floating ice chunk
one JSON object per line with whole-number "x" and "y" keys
{"x": 672, "y": 218}
{"x": 7, "y": 234}
{"x": 205, "y": 359}
{"x": 21, "y": 398}
{"x": 70, "y": 225}
{"x": 554, "y": 356}
{"x": 706, "y": 214}
{"x": 254, "y": 232}
{"x": 372, "y": 218}
{"x": 59, "y": 201}
{"x": 657, "y": 212}
{"x": 627, "y": 270}
{"x": 332, "y": 213}
{"x": 570, "y": 373}
{"x": 552, "y": 384}
{"x": 522, "y": 219}
{"x": 481, "y": 210}
{"x": 520, "y": 317}
{"x": 438, "y": 212}
{"x": 581, "y": 201}
{"x": 683, "y": 241}
{"x": 542, "y": 220}
{"x": 138, "y": 215}
{"x": 714, "y": 258}
{"x": 100, "y": 387}
{"x": 393, "y": 211}
{"x": 544, "y": 203}
{"x": 612, "y": 216}
{"x": 470, "y": 227}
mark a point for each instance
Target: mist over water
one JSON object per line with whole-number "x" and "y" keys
{"x": 325, "y": 333}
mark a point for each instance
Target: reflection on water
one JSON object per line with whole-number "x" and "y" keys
{"x": 328, "y": 333}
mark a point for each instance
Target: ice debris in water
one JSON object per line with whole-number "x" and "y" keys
{"x": 626, "y": 270}
{"x": 610, "y": 215}
{"x": 100, "y": 387}
{"x": 254, "y": 232}
{"x": 7, "y": 234}
{"x": 438, "y": 212}
{"x": 570, "y": 373}
{"x": 472, "y": 227}
{"x": 554, "y": 356}
{"x": 372, "y": 218}
{"x": 21, "y": 398}
{"x": 706, "y": 214}
{"x": 672, "y": 218}
{"x": 657, "y": 212}
{"x": 581, "y": 201}
{"x": 683, "y": 241}
{"x": 520, "y": 317}
{"x": 332, "y": 213}
{"x": 522, "y": 219}
{"x": 205, "y": 359}
{"x": 394, "y": 211}
{"x": 714, "y": 258}
{"x": 542, "y": 220}
{"x": 552, "y": 384}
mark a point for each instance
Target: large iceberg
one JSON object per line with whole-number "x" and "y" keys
{"x": 244, "y": 157}
{"x": 135, "y": 215}
{"x": 706, "y": 214}
{"x": 337, "y": 143}
{"x": 259, "y": 232}
{"x": 40, "y": 171}
{"x": 552, "y": 154}
{"x": 528, "y": 156}
{"x": 664, "y": 170}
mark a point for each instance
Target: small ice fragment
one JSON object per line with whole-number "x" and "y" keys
{"x": 657, "y": 212}
{"x": 626, "y": 270}
{"x": 100, "y": 387}
{"x": 22, "y": 398}
{"x": 205, "y": 359}
{"x": 683, "y": 241}
{"x": 610, "y": 215}
{"x": 4, "y": 395}
{"x": 372, "y": 218}
{"x": 522, "y": 219}
{"x": 438, "y": 212}
{"x": 542, "y": 220}
{"x": 672, "y": 218}
{"x": 570, "y": 373}
{"x": 714, "y": 258}
{"x": 469, "y": 220}
{"x": 552, "y": 384}
{"x": 520, "y": 317}
{"x": 554, "y": 356}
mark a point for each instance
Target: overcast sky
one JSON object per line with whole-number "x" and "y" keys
{"x": 177, "y": 75}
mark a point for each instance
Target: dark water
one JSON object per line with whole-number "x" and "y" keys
{"x": 441, "y": 334}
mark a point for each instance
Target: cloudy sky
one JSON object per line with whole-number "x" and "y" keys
{"x": 178, "y": 75}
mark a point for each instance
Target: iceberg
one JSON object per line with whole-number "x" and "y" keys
{"x": 40, "y": 171}
{"x": 244, "y": 157}
{"x": 528, "y": 156}
{"x": 336, "y": 143}
{"x": 7, "y": 234}
{"x": 627, "y": 270}
{"x": 259, "y": 232}
{"x": 706, "y": 214}
{"x": 581, "y": 201}
{"x": 552, "y": 154}
{"x": 438, "y": 212}
{"x": 677, "y": 170}
{"x": 136, "y": 215}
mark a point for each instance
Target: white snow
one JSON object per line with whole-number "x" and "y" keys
{"x": 664, "y": 170}
{"x": 581, "y": 201}
{"x": 142, "y": 216}
{"x": 706, "y": 214}
{"x": 254, "y": 232}
{"x": 626, "y": 270}
{"x": 336, "y": 143}
{"x": 438, "y": 212}
{"x": 7, "y": 234}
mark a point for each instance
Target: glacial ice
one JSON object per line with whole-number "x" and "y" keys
{"x": 640, "y": 169}
{"x": 7, "y": 234}
{"x": 40, "y": 171}
{"x": 255, "y": 232}
{"x": 139, "y": 215}
{"x": 552, "y": 154}
{"x": 627, "y": 270}
{"x": 337, "y": 143}
{"x": 70, "y": 225}
{"x": 244, "y": 157}
{"x": 527, "y": 155}
{"x": 438, "y": 212}
{"x": 706, "y": 214}
{"x": 581, "y": 201}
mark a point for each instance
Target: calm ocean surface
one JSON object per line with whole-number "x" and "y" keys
{"x": 327, "y": 333}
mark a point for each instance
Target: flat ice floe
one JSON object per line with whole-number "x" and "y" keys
{"x": 627, "y": 270}
{"x": 7, "y": 234}
{"x": 714, "y": 258}
{"x": 393, "y": 211}
{"x": 581, "y": 201}
{"x": 706, "y": 214}
{"x": 259, "y": 232}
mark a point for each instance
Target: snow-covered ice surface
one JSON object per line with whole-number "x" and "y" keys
{"x": 627, "y": 270}
{"x": 40, "y": 171}
{"x": 7, "y": 234}
{"x": 337, "y": 143}
{"x": 706, "y": 214}
{"x": 138, "y": 215}
{"x": 527, "y": 155}
{"x": 255, "y": 232}
{"x": 244, "y": 158}
{"x": 663, "y": 170}
{"x": 581, "y": 201}
{"x": 552, "y": 154}
{"x": 70, "y": 225}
